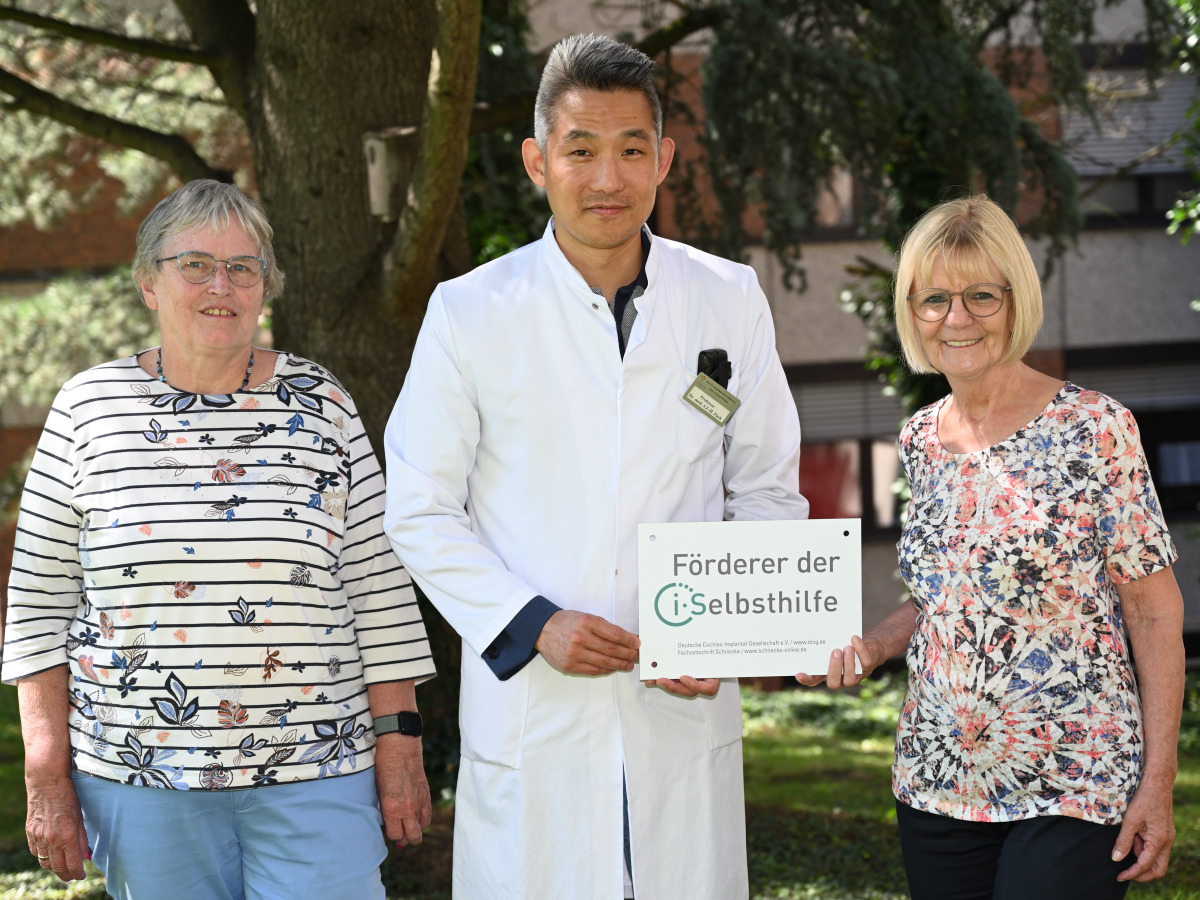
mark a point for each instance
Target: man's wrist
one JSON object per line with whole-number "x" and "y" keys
{"x": 404, "y": 723}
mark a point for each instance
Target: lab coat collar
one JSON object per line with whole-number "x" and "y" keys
{"x": 580, "y": 287}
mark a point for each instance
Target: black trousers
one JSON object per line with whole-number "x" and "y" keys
{"x": 1046, "y": 858}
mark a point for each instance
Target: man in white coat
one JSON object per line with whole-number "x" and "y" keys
{"x": 541, "y": 420}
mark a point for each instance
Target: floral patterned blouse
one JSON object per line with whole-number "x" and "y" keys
{"x": 214, "y": 572}
{"x": 1021, "y": 698}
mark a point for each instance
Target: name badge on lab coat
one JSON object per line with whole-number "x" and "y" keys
{"x": 711, "y": 399}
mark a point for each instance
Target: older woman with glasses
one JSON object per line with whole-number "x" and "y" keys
{"x": 215, "y": 648}
{"x": 1036, "y": 749}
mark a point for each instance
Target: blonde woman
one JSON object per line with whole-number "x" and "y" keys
{"x": 1033, "y": 759}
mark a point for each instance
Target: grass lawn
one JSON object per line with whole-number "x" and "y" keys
{"x": 819, "y": 809}
{"x": 820, "y": 816}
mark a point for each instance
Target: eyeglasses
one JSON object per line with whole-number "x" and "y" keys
{"x": 980, "y": 300}
{"x": 199, "y": 268}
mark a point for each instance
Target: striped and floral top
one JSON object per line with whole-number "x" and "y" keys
{"x": 214, "y": 572}
{"x": 1022, "y": 699}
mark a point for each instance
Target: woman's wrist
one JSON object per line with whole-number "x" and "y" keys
{"x": 1159, "y": 778}
{"x": 39, "y": 772}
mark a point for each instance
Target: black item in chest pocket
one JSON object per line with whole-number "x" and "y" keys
{"x": 715, "y": 364}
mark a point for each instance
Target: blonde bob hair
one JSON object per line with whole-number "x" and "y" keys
{"x": 969, "y": 236}
{"x": 199, "y": 203}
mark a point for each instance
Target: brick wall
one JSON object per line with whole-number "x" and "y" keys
{"x": 98, "y": 237}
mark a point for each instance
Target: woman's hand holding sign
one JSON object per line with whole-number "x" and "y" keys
{"x": 887, "y": 639}
{"x": 842, "y": 672}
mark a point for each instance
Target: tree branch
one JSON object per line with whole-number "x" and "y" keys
{"x": 685, "y": 26}
{"x": 433, "y": 193}
{"x": 863, "y": 267}
{"x": 1121, "y": 171}
{"x": 1001, "y": 19}
{"x": 170, "y": 148}
{"x": 486, "y": 117}
{"x": 224, "y": 29}
{"x": 155, "y": 49}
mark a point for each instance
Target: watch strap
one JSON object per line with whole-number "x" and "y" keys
{"x": 407, "y": 723}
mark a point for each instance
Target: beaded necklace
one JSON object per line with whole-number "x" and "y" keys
{"x": 245, "y": 381}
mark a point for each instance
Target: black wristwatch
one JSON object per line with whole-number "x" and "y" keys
{"x": 408, "y": 723}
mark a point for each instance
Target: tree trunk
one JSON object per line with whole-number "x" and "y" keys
{"x": 310, "y": 57}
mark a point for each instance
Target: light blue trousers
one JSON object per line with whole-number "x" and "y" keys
{"x": 306, "y": 839}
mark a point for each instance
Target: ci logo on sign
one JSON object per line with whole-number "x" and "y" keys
{"x": 676, "y": 603}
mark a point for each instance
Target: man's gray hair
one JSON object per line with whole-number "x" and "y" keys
{"x": 196, "y": 204}
{"x": 592, "y": 62}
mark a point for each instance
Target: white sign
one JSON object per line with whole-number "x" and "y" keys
{"x": 732, "y": 599}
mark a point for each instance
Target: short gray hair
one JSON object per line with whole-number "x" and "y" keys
{"x": 196, "y": 204}
{"x": 592, "y": 63}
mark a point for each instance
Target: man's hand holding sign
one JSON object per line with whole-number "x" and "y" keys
{"x": 579, "y": 643}
{"x": 687, "y": 686}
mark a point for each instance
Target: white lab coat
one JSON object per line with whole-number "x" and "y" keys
{"x": 521, "y": 456}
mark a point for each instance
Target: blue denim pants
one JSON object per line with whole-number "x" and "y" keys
{"x": 305, "y": 839}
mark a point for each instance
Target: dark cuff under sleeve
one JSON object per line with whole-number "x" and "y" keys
{"x": 513, "y": 648}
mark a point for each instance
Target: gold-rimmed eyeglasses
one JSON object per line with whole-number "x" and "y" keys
{"x": 199, "y": 268}
{"x": 980, "y": 300}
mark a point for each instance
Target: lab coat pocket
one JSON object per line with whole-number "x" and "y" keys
{"x": 491, "y": 713}
{"x": 699, "y": 436}
{"x": 723, "y": 715}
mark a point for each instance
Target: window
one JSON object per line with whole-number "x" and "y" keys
{"x": 1128, "y": 173}
{"x": 1179, "y": 464}
{"x": 852, "y": 479}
